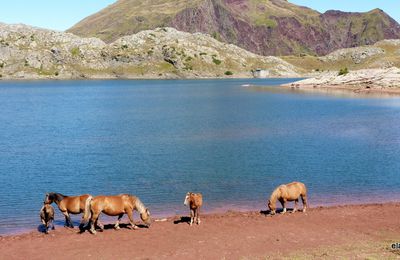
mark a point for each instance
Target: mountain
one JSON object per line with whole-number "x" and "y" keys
{"x": 265, "y": 27}
{"x": 33, "y": 53}
{"x": 381, "y": 55}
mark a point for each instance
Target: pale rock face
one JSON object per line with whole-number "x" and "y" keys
{"x": 374, "y": 78}
{"x": 29, "y": 52}
{"x": 357, "y": 55}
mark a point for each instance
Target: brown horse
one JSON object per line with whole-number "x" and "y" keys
{"x": 194, "y": 201}
{"x": 69, "y": 204}
{"x": 115, "y": 206}
{"x": 288, "y": 192}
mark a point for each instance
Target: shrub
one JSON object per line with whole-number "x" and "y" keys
{"x": 216, "y": 61}
{"x": 343, "y": 71}
{"x": 228, "y": 73}
{"x": 75, "y": 51}
{"x": 202, "y": 53}
{"x": 56, "y": 73}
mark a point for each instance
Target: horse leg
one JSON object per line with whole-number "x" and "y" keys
{"x": 93, "y": 222}
{"x": 304, "y": 200}
{"x": 130, "y": 216}
{"x": 68, "y": 222}
{"x": 197, "y": 216}
{"x": 46, "y": 228}
{"x": 116, "y": 226}
{"x": 191, "y": 216}
{"x": 99, "y": 224}
{"x": 295, "y": 205}
{"x": 283, "y": 202}
{"x": 52, "y": 224}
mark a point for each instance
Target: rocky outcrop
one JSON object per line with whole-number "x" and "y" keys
{"x": 266, "y": 27}
{"x": 368, "y": 80}
{"x": 29, "y": 53}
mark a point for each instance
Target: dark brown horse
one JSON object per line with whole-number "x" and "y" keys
{"x": 69, "y": 204}
{"x": 115, "y": 206}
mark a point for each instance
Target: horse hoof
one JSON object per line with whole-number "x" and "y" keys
{"x": 117, "y": 228}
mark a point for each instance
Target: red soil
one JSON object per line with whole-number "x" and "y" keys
{"x": 231, "y": 235}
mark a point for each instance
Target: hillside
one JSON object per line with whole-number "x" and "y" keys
{"x": 31, "y": 53}
{"x": 266, "y": 27}
{"x": 381, "y": 55}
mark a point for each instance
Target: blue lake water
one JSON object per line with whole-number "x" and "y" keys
{"x": 160, "y": 139}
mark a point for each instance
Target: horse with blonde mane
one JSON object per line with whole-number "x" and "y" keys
{"x": 68, "y": 204}
{"x": 288, "y": 192}
{"x": 115, "y": 206}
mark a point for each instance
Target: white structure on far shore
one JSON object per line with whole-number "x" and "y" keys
{"x": 260, "y": 73}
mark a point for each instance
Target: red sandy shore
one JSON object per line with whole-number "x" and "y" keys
{"x": 229, "y": 235}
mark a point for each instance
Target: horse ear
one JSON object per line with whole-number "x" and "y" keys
{"x": 147, "y": 211}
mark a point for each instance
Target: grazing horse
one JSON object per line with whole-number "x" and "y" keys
{"x": 68, "y": 204}
{"x": 116, "y": 206}
{"x": 194, "y": 201}
{"x": 288, "y": 192}
{"x": 47, "y": 217}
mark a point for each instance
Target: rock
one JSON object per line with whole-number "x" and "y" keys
{"x": 163, "y": 52}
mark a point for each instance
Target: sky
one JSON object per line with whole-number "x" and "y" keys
{"x": 63, "y": 14}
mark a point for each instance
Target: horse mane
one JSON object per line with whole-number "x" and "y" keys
{"x": 275, "y": 194}
{"x": 57, "y": 196}
{"x": 139, "y": 205}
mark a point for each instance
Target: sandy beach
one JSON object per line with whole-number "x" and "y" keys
{"x": 356, "y": 231}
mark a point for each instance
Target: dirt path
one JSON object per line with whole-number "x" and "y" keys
{"x": 345, "y": 231}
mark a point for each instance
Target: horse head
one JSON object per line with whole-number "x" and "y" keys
{"x": 272, "y": 207}
{"x": 49, "y": 198}
{"x": 187, "y": 197}
{"x": 145, "y": 216}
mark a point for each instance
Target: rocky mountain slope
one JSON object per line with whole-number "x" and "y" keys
{"x": 359, "y": 81}
{"x": 381, "y": 55}
{"x": 30, "y": 53}
{"x": 266, "y": 27}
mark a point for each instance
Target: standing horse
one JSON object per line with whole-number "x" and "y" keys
{"x": 288, "y": 192}
{"x": 115, "y": 206}
{"x": 69, "y": 204}
{"x": 194, "y": 201}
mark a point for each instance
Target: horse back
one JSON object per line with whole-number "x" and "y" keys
{"x": 74, "y": 204}
{"x": 112, "y": 205}
{"x": 196, "y": 200}
{"x": 296, "y": 189}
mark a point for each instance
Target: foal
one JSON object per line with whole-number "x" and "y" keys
{"x": 194, "y": 201}
{"x": 47, "y": 217}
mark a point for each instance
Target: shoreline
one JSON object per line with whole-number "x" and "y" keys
{"x": 231, "y": 234}
{"x": 357, "y": 90}
{"x": 216, "y": 210}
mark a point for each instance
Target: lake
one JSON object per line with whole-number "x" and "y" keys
{"x": 159, "y": 139}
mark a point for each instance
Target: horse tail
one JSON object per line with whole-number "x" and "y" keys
{"x": 86, "y": 213}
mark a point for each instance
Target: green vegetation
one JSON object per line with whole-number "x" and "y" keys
{"x": 75, "y": 51}
{"x": 228, "y": 73}
{"x": 124, "y": 46}
{"x": 1, "y": 65}
{"x": 216, "y": 61}
{"x": 202, "y": 53}
{"x": 56, "y": 73}
{"x": 343, "y": 71}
